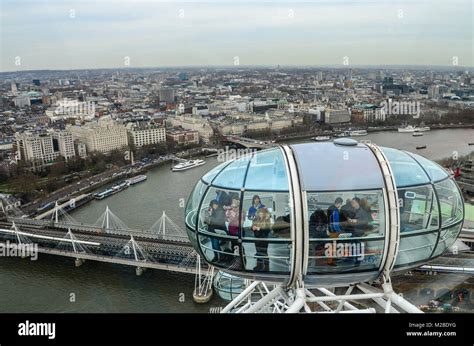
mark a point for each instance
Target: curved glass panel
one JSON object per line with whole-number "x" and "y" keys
{"x": 193, "y": 204}
{"x": 266, "y": 231}
{"x": 331, "y": 167}
{"x": 447, "y": 238}
{"x": 346, "y": 231}
{"x": 435, "y": 171}
{"x": 259, "y": 230}
{"x": 213, "y": 172}
{"x": 451, "y": 202}
{"x": 227, "y": 286}
{"x": 232, "y": 176}
{"x": 191, "y": 212}
{"x": 218, "y": 228}
{"x": 406, "y": 170}
{"x": 418, "y": 209}
{"x": 267, "y": 171}
{"x": 415, "y": 248}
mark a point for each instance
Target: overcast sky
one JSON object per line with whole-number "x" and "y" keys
{"x": 62, "y": 34}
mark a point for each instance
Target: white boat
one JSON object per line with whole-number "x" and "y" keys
{"x": 137, "y": 179}
{"x": 410, "y": 128}
{"x": 417, "y": 134}
{"x": 120, "y": 186}
{"x": 321, "y": 138}
{"x": 352, "y": 133}
{"x": 112, "y": 190}
{"x": 358, "y": 133}
{"x": 187, "y": 165}
{"x": 422, "y": 129}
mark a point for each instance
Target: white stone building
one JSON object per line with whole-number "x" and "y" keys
{"x": 102, "y": 136}
{"x": 195, "y": 123}
{"x": 44, "y": 148}
{"x": 140, "y": 135}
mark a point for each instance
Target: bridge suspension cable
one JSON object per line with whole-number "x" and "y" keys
{"x": 21, "y": 238}
{"x": 71, "y": 243}
{"x": 110, "y": 222}
{"x": 61, "y": 215}
{"x": 134, "y": 251}
{"x": 165, "y": 228}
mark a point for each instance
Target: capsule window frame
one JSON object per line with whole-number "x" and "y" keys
{"x": 309, "y": 242}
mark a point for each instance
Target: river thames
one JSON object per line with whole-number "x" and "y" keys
{"x": 46, "y": 285}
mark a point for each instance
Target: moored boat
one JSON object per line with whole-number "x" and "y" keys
{"x": 411, "y": 128}
{"x": 356, "y": 133}
{"x": 321, "y": 138}
{"x": 112, "y": 190}
{"x": 188, "y": 165}
{"x": 137, "y": 179}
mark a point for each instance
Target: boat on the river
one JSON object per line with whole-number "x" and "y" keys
{"x": 411, "y": 128}
{"x": 182, "y": 166}
{"x": 356, "y": 133}
{"x": 321, "y": 138}
{"x": 352, "y": 133}
{"x": 137, "y": 179}
{"x": 421, "y": 147}
{"x": 112, "y": 190}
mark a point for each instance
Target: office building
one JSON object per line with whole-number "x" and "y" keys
{"x": 145, "y": 134}
{"x": 102, "y": 136}
{"x": 43, "y": 148}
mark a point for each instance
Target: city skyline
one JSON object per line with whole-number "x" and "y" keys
{"x": 121, "y": 34}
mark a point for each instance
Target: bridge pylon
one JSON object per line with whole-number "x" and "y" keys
{"x": 21, "y": 238}
{"x": 133, "y": 251}
{"x": 110, "y": 222}
{"x": 203, "y": 282}
{"x": 165, "y": 228}
{"x": 71, "y": 242}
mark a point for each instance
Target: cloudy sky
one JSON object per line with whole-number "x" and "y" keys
{"x": 63, "y": 34}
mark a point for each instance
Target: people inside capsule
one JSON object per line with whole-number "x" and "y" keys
{"x": 318, "y": 228}
{"x": 281, "y": 227}
{"x": 360, "y": 219}
{"x": 318, "y": 223}
{"x": 347, "y": 212}
{"x": 256, "y": 204}
{"x": 232, "y": 215}
{"x": 334, "y": 217}
{"x": 222, "y": 198}
{"x": 215, "y": 219}
{"x": 336, "y": 224}
{"x": 261, "y": 226}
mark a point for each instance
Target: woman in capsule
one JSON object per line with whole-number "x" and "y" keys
{"x": 261, "y": 226}
{"x": 256, "y": 204}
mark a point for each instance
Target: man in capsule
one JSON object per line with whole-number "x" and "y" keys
{"x": 334, "y": 218}
{"x": 360, "y": 220}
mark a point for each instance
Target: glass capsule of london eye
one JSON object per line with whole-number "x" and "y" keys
{"x": 330, "y": 213}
